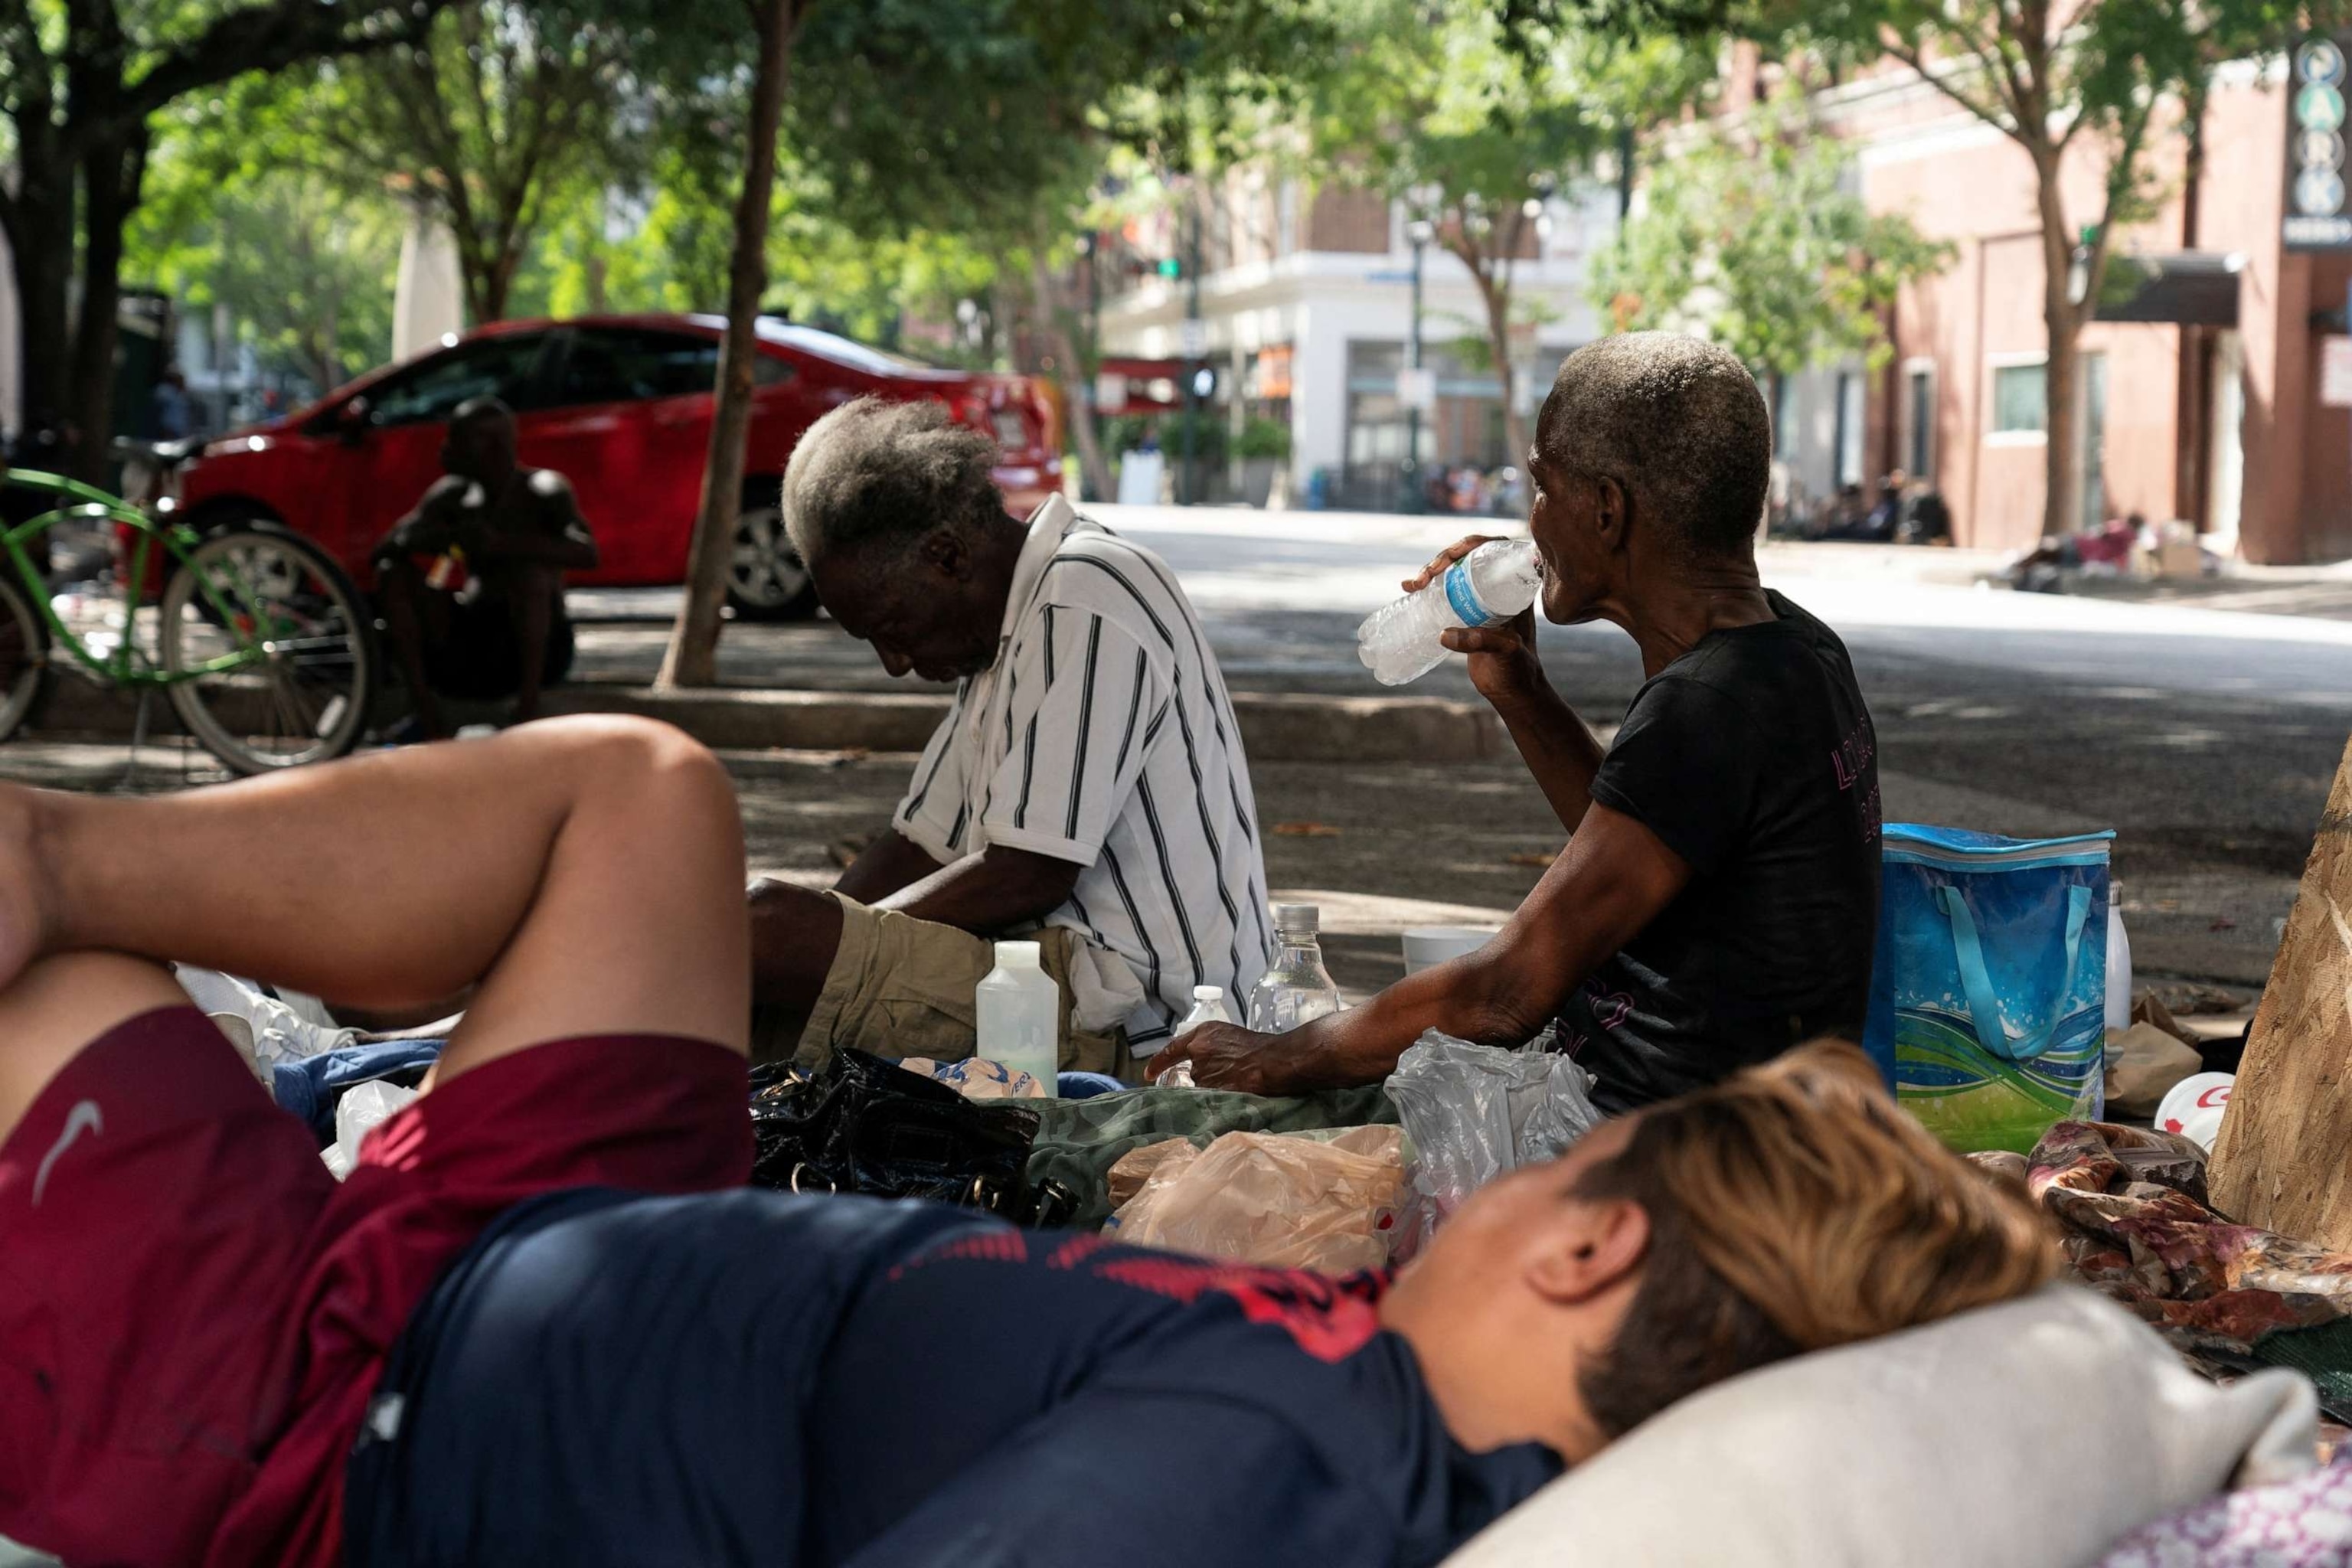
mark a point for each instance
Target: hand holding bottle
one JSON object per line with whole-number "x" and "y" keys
{"x": 1503, "y": 663}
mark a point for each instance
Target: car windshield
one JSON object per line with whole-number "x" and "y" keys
{"x": 843, "y": 350}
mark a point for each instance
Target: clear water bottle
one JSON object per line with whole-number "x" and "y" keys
{"x": 1019, "y": 1010}
{"x": 1297, "y": 989}
{"x": 1398, "y": 642}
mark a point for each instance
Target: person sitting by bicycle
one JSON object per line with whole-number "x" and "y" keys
{"x": 471, "y": 583}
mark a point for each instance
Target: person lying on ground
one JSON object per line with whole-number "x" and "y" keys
{"x": 490, "y": 624}
{"x": 537, "y": 1326}
{"x": 1087, "y": 785}
{"x": 1717, "y": 899}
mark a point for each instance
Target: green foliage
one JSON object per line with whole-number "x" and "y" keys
{"x": 304, "y": 274}
{"x": 1754, "y": 239}
{"x": 1263, "y": 438}
{"x": 1444, "y": 103}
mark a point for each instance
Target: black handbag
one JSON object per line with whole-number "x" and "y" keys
{"x": 861, "y": 1124}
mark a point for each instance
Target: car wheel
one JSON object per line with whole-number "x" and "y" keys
{"x": 766, "y": 580}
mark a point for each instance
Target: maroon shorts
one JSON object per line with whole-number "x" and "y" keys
{"x": 194, "y": 1313}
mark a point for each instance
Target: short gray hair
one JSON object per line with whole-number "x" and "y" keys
{"x": 875, "y": 472}
{"x": 1677, "y": 423}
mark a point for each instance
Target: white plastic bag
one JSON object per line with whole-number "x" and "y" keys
{"x": 275, "y": 1031}
{"x": 1473, "y": 1112}
{"x": 1280, "y": 1199}
{"x": 362, "y": 1108}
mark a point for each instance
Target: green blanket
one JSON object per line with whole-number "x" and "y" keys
{"x": 1078, "y": 1140}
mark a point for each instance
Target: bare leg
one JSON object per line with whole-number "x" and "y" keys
{"x": 794, "y": 931}
{"x": 587, "y": 871}
{"x": 401, "y": 591}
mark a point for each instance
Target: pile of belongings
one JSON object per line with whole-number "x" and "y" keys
{"x": 2137, "y": 1226}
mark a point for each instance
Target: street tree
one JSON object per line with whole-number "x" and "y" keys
{"x": 1752, "y": 236}
{"x": 80, "y": 85}
{"x": 2092, "y": 84}
{"x": 692, "y": 656}
{"x": 1475, "y": 128}
{"x": 997, "y": 121}
{"x": 300, "y": 271}
{"x": 502, "y": 110}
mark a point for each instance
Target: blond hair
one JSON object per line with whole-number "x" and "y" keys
{"x": 1793, "y": 1207}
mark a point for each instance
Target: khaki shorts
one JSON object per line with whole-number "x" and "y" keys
{"x": 903, "y": 987}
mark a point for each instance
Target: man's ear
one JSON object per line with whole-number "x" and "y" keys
{"x": 1612, "y": 512}
{"x": 1593, "y": 1245}
{"x": 944, "y": 551}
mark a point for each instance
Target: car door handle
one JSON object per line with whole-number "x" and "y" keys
{"x": 672, "y": 418}
{"x": 596, "y": 425}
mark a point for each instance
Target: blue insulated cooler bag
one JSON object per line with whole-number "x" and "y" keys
{"x": 1987, "y": 994}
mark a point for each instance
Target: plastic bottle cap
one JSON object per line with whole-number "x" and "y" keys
{"x": 1019, "y": 955}
{"x": 1208, "y": 993}
{"x": 1298, "y": 920}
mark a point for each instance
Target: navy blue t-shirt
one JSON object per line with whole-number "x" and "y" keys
{"x": 614, "y": 1379}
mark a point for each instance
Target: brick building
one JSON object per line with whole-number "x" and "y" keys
{"x": 2201, "y": 396}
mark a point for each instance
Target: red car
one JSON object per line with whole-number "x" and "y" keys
{"x": 621, "y": 405}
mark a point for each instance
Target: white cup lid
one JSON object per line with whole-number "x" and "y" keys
{"x": 1019, "y": 955}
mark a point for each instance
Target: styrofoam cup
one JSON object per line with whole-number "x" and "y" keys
{"x": 2193, "y": 1107}
{"x": 1425, "y": 947}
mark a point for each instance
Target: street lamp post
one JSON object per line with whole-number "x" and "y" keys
{"x": 1420, "y": 231}
{"x": 1086, "y": 368}
{"x": 1194, "y": 353}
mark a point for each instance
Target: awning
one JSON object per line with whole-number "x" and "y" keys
{"x": 2183, "y": 288}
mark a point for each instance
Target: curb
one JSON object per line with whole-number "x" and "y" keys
{"x": 1276, "y": 727}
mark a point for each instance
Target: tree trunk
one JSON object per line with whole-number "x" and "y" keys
{"x": 41, "y": 250}
{"x": 692, "y": 659}
{"x": 1495, "y": 291}
{"x": 2062, "y": 469}
{"x": 112, "y": 172}
{"x": 1077, "y": 385}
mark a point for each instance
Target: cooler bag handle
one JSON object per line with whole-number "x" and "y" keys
{"x": 1984, "y": 1006}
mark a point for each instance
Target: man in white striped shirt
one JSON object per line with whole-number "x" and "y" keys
{"x": 1088, "y": 786}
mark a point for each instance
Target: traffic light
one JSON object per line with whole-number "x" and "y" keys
{"x": 1170, "y": 267}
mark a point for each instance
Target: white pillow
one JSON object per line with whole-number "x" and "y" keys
{"x": 2030, "y": 1434}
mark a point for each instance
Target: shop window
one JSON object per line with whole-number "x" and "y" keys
{"x": 2020, "y": 399}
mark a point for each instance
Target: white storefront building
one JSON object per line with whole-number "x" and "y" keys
{"x": 1305, "y": 306}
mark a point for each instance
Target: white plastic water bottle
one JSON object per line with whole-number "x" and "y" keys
{"x": 2119, "y": 969}
{"x": 1297, "y": 989}
{"x": 1208, "y": 1007}
{"x": 1398, "y": 642}
{"x": 1019, "y": 1012}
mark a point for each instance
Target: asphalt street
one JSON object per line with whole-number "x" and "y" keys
{"x": 2205, "y": 738}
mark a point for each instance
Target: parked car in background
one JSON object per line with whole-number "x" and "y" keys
{"x": 621, "y": 405}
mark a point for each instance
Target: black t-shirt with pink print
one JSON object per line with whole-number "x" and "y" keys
{"x": 1752, "y": 757}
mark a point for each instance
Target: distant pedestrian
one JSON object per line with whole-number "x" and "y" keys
{"x": 472, "y": 580}
{"x": 172, "y": 416}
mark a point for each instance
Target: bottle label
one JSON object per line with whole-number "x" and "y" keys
{"x": 1463, "y": 597}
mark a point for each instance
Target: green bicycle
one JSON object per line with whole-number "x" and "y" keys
{"x": 263, "y": 645}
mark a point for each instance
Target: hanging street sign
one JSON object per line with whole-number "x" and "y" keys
{"x": 2319, "y": 213}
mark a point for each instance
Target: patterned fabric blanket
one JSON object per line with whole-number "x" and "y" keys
{"x": 2302, "y": 1523}
{"x": 2136, "y": 1226}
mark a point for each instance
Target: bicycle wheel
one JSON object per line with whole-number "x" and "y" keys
{"x": 271, "y": 650}
{"x": 23, "y": 658}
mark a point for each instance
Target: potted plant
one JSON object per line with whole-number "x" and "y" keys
{"x": 1264, "y": 446}
{"x": 1200, "y": 462}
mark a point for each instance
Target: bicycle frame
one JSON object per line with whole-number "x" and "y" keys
{"x": 125, "y": 666}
